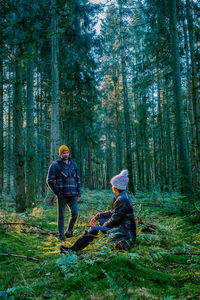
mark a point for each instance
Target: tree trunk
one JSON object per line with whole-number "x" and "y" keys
{"x": 44, "y": 121}
{"x": 185, "y": 172}
{"x": 126, "y": 105}
{"x": 191, "y": 122}
{"x": 159, "y": 120}
{"x": 195, "y": 98}
{"x": 155, "y": 173}
{"x": 117, "y": 124}
{"x": 55, "y": 136}
{"x": 38, "y": 138}
{"x": 30, "y": 144}
{"x": 146, "y": 143}
{"x": 88, "y": 167}
{"x": 109, "y": 162}
{"x": 9, "y": 141}
{"x": 18, "y": 141}
{"x": 1, "y": 129}
{"x": 137, "y": 144}
{"x": 169, "y": 146}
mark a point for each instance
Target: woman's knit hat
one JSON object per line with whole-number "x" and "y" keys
{"x": 62, "y": 149}
{"x": 120, "y": 181}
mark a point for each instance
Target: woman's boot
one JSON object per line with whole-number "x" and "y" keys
{"x": 81, "y": 243}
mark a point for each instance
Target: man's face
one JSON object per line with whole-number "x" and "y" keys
{"x": 65, "y": 155}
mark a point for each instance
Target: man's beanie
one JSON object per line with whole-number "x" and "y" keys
{"x": 120, "y": 181}
{"x": 62, "y": 149}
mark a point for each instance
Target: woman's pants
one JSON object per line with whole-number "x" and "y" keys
{"x": 88, "y": 236}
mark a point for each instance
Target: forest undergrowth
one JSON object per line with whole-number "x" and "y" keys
{"x": 164, "y": 263}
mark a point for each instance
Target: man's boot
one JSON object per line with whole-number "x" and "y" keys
{"x": 68, "y": 234}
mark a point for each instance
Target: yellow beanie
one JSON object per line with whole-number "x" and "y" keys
{"x": 62, "y": 149}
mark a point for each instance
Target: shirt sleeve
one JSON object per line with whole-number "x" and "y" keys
{"x": 117, "y": 214}
{"x": 78, "y": 183}
{"x": 103, "y": 215}
{"x": 51, "y": 179}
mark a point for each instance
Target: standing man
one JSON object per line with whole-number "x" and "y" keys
{"x": 63, "y": 179}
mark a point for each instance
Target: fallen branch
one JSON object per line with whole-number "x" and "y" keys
{"x": 21, "y": 256}
{"x": 40, "y": 230}
{"x": 44, "y": 232}
{"x": 149, "y": 228}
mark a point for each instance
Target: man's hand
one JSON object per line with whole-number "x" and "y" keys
{"x": 79, "y": 198}
{"x": 93, "y": 221}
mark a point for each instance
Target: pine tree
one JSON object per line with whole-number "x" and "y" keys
{"x": 1, "y": 129}
{"x": 185, "y": 175}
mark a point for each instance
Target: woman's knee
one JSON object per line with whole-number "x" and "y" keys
{"x": 93, "y": 230}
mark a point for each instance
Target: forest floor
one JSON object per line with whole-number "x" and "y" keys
{"x": 164, "y": 264}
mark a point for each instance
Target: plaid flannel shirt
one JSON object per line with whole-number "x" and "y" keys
{"x": 121, "y": 215}
{"x": 64, "y": 178}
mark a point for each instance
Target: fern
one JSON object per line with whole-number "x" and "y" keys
{"x": 20, "y": 289}
{"x": 68, "y": 262}
{"x": 133, "y": 256}
{"x": 113, "y": 285}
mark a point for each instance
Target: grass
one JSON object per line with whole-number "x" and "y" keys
{"x": 150, "y": 270}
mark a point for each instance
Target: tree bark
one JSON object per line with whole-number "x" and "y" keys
{"x": 109, "y": 162}
{"x": 89, "y": 167}
{"x": 1, "y": 130}
{"x": 185, "y": 172}
{"x": 195, "y": 98}
{"x": 30, "y": 144}
{"x": 126, "y": 104}
{"x": 55, "y": 136}
{"x": 159, "y": 120}
{"x": 9, "y": 141}
{"x": 169, "y": 147}
{"x": 191, "y": 122}
{"x": 117, "y": 124}
{"x": 18, "y": 140}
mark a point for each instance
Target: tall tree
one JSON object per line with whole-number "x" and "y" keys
{"x": 1, "y": 129}
{"x": 185, "y": 171}
{"x": 195, "y": 97}
{"x": 55, "y": 136}
{"x": 30, "y": 141}
{"x": 18, "y": 139}
{"x": 9, "y": 139}
{"x": 126, "y": 102}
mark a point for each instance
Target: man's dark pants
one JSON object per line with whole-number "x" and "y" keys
{"x": 72, "y": 204}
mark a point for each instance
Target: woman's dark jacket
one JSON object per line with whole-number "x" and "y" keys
{"x": 121, "y": 216}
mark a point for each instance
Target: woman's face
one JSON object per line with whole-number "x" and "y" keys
{"x": 115, "y": 191}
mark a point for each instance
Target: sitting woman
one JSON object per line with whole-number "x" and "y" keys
{"x": 119, "y": 221}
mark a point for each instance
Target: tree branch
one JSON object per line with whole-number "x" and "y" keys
{"x": 40, "y": 230}
{"x": 21, "y": 256}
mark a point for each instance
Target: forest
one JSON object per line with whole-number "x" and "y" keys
{"x": 118, "y": 82}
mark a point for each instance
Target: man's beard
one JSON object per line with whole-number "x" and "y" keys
{"x": 65, "y": 158}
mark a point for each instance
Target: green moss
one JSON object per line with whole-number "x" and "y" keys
{"x": 149, "y": 271}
